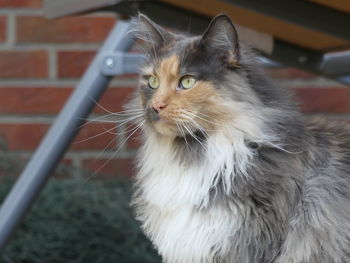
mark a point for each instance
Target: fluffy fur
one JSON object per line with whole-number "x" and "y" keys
{"x": 229, "y": 172}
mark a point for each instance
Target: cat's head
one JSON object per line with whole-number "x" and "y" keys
{"x": 199, "y": 84}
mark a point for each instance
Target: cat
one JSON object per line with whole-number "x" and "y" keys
{"x": 229, "y": 171}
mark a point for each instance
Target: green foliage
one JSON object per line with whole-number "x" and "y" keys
{"x": 76, "y": 221}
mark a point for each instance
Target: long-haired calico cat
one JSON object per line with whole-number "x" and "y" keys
{"x": 228, "y": 171}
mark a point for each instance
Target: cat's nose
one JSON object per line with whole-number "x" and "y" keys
{"x": 158, "y": 106}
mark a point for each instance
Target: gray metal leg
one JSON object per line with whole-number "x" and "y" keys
{"x": 61, "y": 134}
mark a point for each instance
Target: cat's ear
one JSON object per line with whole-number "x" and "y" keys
{"x": 150, "y": 32}
{"x": 221, "y": 34}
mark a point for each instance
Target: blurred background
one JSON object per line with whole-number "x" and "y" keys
{"x": 83, "y": 214}
{"x": 42, "y": 60}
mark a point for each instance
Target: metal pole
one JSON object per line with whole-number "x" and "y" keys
{"x": 60, "y": 134}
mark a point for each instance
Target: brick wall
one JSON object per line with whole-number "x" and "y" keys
{"x": 41, "y": 61}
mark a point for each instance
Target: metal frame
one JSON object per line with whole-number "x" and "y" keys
{"x": 334, "y": 65}
{"x": 326, "y": 64}
{"x": 111, "y": 60}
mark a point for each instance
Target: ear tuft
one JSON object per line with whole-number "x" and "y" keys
{"x": 147, "y": 30}
{"x": 221, "y": 34}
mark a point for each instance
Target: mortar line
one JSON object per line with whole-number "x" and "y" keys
{"x": 11, "y": 31}
{"x": 31, "y": 119}
{"x": 23, "y": 11}
{"x": 52, "y": 63}
{"x": 39, "y": 11}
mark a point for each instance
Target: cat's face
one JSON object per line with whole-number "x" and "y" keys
{"x": 176, "y": 97}
{"x": 181, "y": 85}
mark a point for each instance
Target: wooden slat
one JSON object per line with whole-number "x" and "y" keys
{"x": 280, "y": 29}
{"x": 255, "y": 39}
{"x": 340, "y": 5}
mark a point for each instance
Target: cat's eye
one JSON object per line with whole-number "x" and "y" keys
{"x": 153, "y": 82}
{"x": 187, "y": 82}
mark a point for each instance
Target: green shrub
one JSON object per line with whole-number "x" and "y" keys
{"x": 79, "y": 221}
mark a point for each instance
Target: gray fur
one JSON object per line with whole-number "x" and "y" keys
{"x": 295, "y": 203}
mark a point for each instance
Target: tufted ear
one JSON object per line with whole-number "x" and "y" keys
{"x": 150, "y": 32}
{"x": 221, "y": 34}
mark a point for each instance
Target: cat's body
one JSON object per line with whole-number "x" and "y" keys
{"x": 229, "y": 172}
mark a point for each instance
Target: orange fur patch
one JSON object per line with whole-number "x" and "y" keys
{"x": 168, "y": 73}
{"x": 202, "y": 100}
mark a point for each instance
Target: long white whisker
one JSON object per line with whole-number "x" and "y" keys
{"x": 124, "y": 132}
{"x": 187, "y": 145}
{"x": 193, "y": 136}
{"x": 117, "y": 150}
{"x": 99, "y": 105}
{"x": 199, "y": 117}
{"x": 108, "y": 130}
{"x": 94, "y": 136}
{"x": 100, "y": 118}
{"x": 195, "y": 124}
{"x": 113, "y": 113}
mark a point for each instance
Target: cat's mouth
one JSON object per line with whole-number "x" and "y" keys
{"x": 174, "y": 128}
{"x": 172, "y": 125}
{"x": 165, "y": 127}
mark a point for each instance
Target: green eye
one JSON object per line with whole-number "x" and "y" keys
{"x": 153, "y": 82}
{"x": 187, "y": 82}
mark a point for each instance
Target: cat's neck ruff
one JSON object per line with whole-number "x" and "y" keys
{"x": 174, "y": 200}
{"x": 225, "y": 155}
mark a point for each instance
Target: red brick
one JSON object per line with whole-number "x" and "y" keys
{"x": 36, "y": 29}
{"x": 288, "y": 73}
{"x": 23, "y": 64}
{"x": 50, "y": 100}
{"x": 327, "y": 99}
{"x": 2, "y": 28}
{"x": 72, "y": 64}
{"x": 114, "y": 99}
{"x": 21, "y": 3}
{"x": 113, "y": 167}
{"x": 23, "y": 136}
{"x": 32, "y": 100}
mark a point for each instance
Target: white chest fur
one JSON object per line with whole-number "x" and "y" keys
{"x": 173, "y": 201}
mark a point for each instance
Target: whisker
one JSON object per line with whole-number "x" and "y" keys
{"x": 199, "y": 117}
{"x": 100, "y": 106}
{"x": 194, "y": 136}
{"x": 109, "y": 130}
{"x": 117, "y": 150}
{"x": 196, "y": 124}
{"x": 101, "y": 118}
{"x": 124, "y": 132}
{"x": 118, "y": 121}
{"x": 121, "y": 113}
{"x": 114, "y": 113}
{"x": 97, "y": 118}
{"x": 187, "y": 145}
{"x": 94, "y": 136}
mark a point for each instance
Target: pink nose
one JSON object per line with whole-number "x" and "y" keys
{"x": 158, "y": 106}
